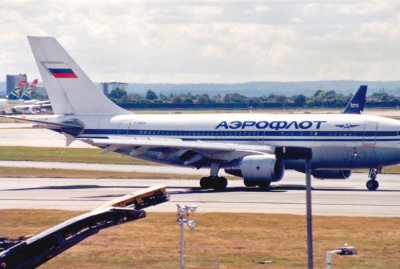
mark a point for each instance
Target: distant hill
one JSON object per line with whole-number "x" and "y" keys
{"x": 265, "y": 88}
{"x": 259, "y": 88}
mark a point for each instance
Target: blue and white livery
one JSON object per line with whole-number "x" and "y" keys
{"x": 244, "y": 145}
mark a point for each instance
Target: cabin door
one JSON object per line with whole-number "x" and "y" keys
{"x": 124, "y": 127}
{"x": 370, "y": 130}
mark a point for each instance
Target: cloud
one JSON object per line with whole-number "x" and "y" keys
{"x": 209, "y": 41}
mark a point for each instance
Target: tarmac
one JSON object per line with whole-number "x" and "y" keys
{"x": 330, "y": 197}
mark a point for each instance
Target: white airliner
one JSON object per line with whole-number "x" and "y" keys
{"x": 244, "y": 145}
{"x": 29, "y": 105}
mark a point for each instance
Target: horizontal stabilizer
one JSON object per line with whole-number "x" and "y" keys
{"x": 49, "y": 125}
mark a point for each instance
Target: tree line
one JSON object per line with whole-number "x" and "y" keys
{"x": 320, "y": 99}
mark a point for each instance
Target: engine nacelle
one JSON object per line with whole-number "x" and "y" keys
{"x": 331, "y": 174}
{"x": 258, "y": 168}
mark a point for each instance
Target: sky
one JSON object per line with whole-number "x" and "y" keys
{"x": 209, "y": 41}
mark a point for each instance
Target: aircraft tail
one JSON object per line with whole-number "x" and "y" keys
{"x": 357, "y": 103}
{"x": 69, "y": 89}
{"x": 28, "y": 93}
{"x": 16, "y": 93}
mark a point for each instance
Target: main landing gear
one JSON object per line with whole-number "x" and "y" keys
{"x": 261, "y": 184}
{"x": 373, "y": 184}
{"x": 214, "y": 181}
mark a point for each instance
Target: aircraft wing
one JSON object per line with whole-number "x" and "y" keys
{"x": 189, "y": 151}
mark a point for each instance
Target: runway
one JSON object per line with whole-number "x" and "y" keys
{"x": 330, "y": 198}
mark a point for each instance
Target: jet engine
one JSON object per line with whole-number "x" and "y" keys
{"x": 331, "y": 174}
{"x": 258, "y": 168}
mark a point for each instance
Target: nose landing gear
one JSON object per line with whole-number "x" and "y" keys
{"x": 373, "y": 184}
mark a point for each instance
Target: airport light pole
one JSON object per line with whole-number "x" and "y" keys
{"x": 183, "y": 219}
{"x": 300, "y": 153}
{"x": 309, "y": 215}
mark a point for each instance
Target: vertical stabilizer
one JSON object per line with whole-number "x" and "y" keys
{"x": 28, "y": 93}
{"x": 357, "y": 103}
{"x": 17, "y": 92}
{"x": 69, "y": 89}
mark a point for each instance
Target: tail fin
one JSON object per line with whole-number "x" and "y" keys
{"x": 28, "y": 93}
{"x": 357, "y": 103}
{"x": 16, "y": 93}
{"x": 69, "y": 89}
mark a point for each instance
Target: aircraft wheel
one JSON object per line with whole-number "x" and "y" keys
{"x": 372, "y": 184}
{"x": 220, "y": 183}
{"x": 249, "y": 183}
{"x": 264, "y": 184}
{"x": 205, "y": 183}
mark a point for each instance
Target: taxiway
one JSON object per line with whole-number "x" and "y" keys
{"x": 332, "y": 198}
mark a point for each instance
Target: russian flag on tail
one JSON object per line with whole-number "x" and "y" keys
{"x": 60, "y": 70}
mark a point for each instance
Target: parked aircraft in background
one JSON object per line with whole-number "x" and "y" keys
{"x": 27, "y": 95}
{"x": 18, "y": 90}
{"x": 245, "y": 145}
{"x": 21, "y": 101}
{"x": 357, "y": 103}
{"x": 29, "y": 105}
{"x": 14, "y": 97}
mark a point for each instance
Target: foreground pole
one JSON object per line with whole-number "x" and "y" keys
{"x": 309, "y": 215}
{"x": 183, "y": 219}
{"x": 182, "y": 246}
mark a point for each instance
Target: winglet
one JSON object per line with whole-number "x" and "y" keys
{"x": 357, "y": 103}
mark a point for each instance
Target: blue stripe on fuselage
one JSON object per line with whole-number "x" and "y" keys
{"x": 258, "y": 135}
{"x": 239, "y": 133}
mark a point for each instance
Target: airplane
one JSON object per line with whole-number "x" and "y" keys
{"x": 22, "y": 101}
{"x": 17, "y": 92}
{"x": 14, "y": 97}
{"x": 246, "y": 144}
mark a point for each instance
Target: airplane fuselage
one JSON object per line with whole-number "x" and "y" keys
{"x": 340, "y": 141}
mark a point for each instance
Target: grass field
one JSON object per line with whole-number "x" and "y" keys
{"x": 221, "y": 240}
{"x": 64, "y": 155}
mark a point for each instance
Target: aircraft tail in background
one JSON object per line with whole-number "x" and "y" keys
{"x": 357, "y": 103}
{"x": 69, "y": 89}
{"x": 28, "y": 93}
{"x": 17, "y": 92}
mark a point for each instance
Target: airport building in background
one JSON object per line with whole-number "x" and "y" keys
{"x": 41, "y": 91}
{"x": 108, "y": 87}
{"x": 13, "y": 80}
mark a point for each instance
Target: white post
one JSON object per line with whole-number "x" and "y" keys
{"x": 182, "y": 245}
{"x": 183, "y": 219}
{"x": 328, "y": 258}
